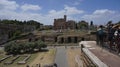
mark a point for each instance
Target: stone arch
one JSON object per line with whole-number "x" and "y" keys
{"x": 75, "y": 39}
{"x": 69, "y": 39}
{"x": 55, "y": 39}
{"x": 62, "y": 40}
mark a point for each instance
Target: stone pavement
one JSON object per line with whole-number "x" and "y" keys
{"x": 112, "y": 60}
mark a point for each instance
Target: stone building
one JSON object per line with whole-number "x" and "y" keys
{"x": 82, "y": 25}
{"x": 71, "y": 24}
{"x": 62, "y": 23}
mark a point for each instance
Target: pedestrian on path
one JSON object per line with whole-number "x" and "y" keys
{"x": 100, "y": 36}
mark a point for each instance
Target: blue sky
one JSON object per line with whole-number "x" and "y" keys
{"x": 44, "y": 11}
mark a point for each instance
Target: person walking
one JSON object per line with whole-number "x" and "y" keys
{"x": 117, "y": 39}
{"x": 100, "y": 36}
{"x": 111, "y": 31}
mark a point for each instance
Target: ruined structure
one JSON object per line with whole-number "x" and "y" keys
{"x": 71, "y": 24}
{"x": 62, "y": 23}
{"x": 61, "y": 38}
{"x": 82, "y": 25}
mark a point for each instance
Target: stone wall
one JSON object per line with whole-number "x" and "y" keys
{"x": 61, "y": 39}
{"x": 68, "y": 39}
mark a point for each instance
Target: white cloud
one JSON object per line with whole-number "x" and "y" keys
{"x": 27, "y": 7}
{"x": 8, "y": 5}
{"x": 102, "y": 16}
{"x": 67, "y": 10}
{"x": 103, "y": 11}
{"x": 43, "y": 18}
{"x": 21, "y": 16}
{"x": 8, "y": 10}
{"x": 72, "y": 10}
{"x": 54, "y": 13}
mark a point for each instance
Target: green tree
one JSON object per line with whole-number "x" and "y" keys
{"x": 12, "y": 48}
{"x": 17, "y": 48}
{"x": 40, "y": 44}
{"x": 7, "y": 47}
{"x": 31, "y": 46}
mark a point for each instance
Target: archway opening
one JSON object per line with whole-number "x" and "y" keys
{"x": 62, "y": 40}
{"x": 69, "y": 39}
{"x": 75, "y": 39}
{"x": 55, "y": 39}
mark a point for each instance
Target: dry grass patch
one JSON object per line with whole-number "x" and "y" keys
{"x": 44, "y": 58}
{"x": 36, "y": 58}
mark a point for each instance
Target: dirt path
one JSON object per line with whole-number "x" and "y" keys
{"x": 71, "y": 54}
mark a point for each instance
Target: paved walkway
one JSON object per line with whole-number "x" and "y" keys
{"x": 105, "y": 56}
{"x": 61, "y": 59}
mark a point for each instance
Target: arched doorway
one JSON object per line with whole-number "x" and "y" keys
{"x": 69, "y": 39}
{"x": 75, "y": 39}
{"x": 55, "y": 39}
{"x": 62, "y": 40}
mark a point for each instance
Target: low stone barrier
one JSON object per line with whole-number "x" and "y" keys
{"x": 24, "y": 60}
{"x": 10, "y": 62}
{"x": 89, "y": 59}
{"x": 5, "y": 58}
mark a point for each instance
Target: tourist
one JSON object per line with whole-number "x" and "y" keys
{"x": 100, "y": 36}
{"x": 111, "y": 31}
{"x": 117, "y": 39}
{"x": 97, "y": 39}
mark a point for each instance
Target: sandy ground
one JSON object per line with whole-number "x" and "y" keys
{"x": 71, "y": 54}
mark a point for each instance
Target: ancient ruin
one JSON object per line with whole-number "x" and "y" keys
{"x": 62, "y": 23}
